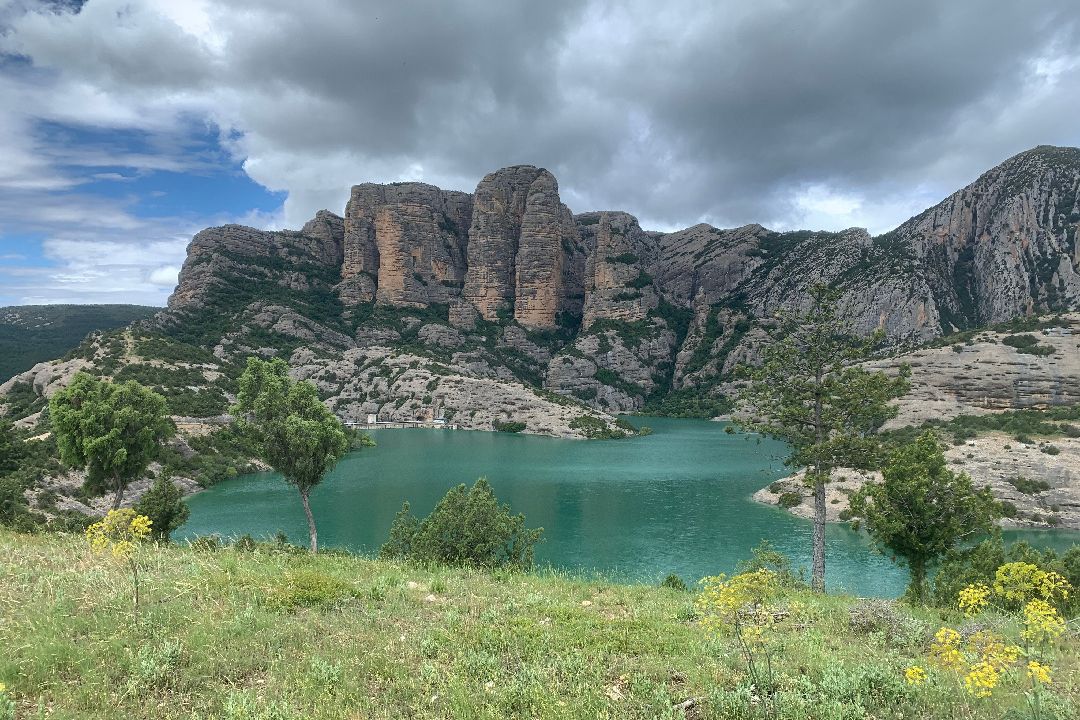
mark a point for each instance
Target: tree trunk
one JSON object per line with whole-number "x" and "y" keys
{"x": 118, "y": 496}
{"x": 817, "y": 573}
{"x": 917, "y": 587}
{"x": 312, "y": 532}
{"x": 817, "y": 576}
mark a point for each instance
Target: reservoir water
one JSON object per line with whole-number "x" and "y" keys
{"x": 632, "y": 510}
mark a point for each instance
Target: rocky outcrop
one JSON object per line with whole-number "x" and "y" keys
{"x": 524, "y": 258}
{"x": 995, "y": 461}
{"x": 594, "y": 307}
{"x": 1006, "y": 245}
{"x": 545, "y": 246}
{"x": 404, "y": 244}
{"x": 986, "y": 374}
{"x": 618, "y": 285}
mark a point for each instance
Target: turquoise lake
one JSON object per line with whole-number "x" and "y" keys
{"x": 632, "y": 510}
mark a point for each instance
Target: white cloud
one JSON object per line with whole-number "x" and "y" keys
{"x": 164, "y": 276}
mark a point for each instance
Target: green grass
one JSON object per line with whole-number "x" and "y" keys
{"x": 278, "y": 635}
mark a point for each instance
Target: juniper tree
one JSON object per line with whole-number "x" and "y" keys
{"x": 164, "y": 504}
{"x": 113, "y": 430}
{"x": 810, "y": 392}
{"x": 293, "y": 431}
{"x": 921, "y": 509}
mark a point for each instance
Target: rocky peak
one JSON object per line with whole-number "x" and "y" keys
{"x": 404, "y": 244}
{"x": 520, "y": 243}
{"x": 1006, "y": 245}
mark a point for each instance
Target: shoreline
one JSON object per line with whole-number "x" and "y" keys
{"x": 993, "y": 459}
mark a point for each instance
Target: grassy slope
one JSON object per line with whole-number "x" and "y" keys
{"x": 215, "y": 640}
{"x": 30, "y": 334}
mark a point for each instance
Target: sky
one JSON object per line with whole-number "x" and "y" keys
{"x": 128, "y": 125}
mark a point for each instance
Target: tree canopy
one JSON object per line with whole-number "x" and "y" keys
{"x": 113, "y": 430}
{"x": 293, "y": 431}
{"x": 922, "y": 509}
{"x": 810, "y": 392}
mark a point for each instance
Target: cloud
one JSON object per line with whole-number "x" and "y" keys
{"x": 817, "y": 114}
{"x": 165, "y": 276}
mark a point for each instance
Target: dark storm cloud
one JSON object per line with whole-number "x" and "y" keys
{"x": 818, "y": 113}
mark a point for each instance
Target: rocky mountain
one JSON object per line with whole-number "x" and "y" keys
{"x": 506, "y": 287}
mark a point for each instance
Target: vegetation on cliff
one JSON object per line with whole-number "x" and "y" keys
{"x": 30, "y": 334}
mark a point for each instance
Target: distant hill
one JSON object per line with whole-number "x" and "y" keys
{"x": 30, "y": 334}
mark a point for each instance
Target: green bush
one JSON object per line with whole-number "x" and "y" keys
{"x": 642, "y": 280}
{"x": 767, "y": 557}
{"x": 1050, "y": 449}
{"x": 1029, "y": 486}
{"x": 164, "y": 504}
{"x": 673, "y": 582}
{"x": 309, "y": 589}
{"x": 467, "y": 528}
{"x": 789, "y": 500}
{"x": 978, "y": 563}
{"x": 594, "y": 428}
{"x": 508, "y": 426}
{"x": 1020, "y": 341}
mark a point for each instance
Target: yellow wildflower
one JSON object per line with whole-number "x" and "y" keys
{"x": 118, "y": 532}
{"x": 741, "y": 599}
{"x": 3, "y": 687}
{"x": 915, "y": 675}
{"x": 973, "y": 599}
{"x": 982, "y": 679}
{"x": 1042, "y": 622}
{"x": 992, "y": 649}
{"x": 946, "y": 649}
{"x": 1019, "y": 582}
{"x": 1038, "y": 672}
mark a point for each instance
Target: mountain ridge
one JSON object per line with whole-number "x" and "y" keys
{"x": 508, "y": 284}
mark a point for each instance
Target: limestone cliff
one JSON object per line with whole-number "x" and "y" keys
{"x": 509, "y": 284}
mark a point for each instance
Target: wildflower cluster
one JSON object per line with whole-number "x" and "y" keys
{"x": 974, "y": 599}
{"x": 915, "y": 675}
{"x": 118, "y": 532}
{"x": 745, "y": 604}
{"x": 984, "y": 659}
{"x": 945, "y": 649}
{"x": 1038, "y": 672}
{"x": 994, "y": 659}
{"x": 739, "y": 601}
{"x": 1042, "y": 622}
{"x": 1020, "y": 582}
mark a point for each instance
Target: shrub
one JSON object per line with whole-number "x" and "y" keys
{"x": 766, "y": 557}
{"x": 1050, "y": 449}
{"x": 789, "y": 500}
{"x": 307, "y": 588}
{"x": 1020, "y": 341}
{"x": 594, "y": 428}
{"x": 467, "y": 528}
{"x": 978, "y": 565}
{"x": 1029, "y": 486}
{"x": 508, "y": 426}
{"x": 673, "y": 582}
{"x": 164, "y": 504}
{"x": 642, "y": 280}
{"x": 245, "y": 543}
